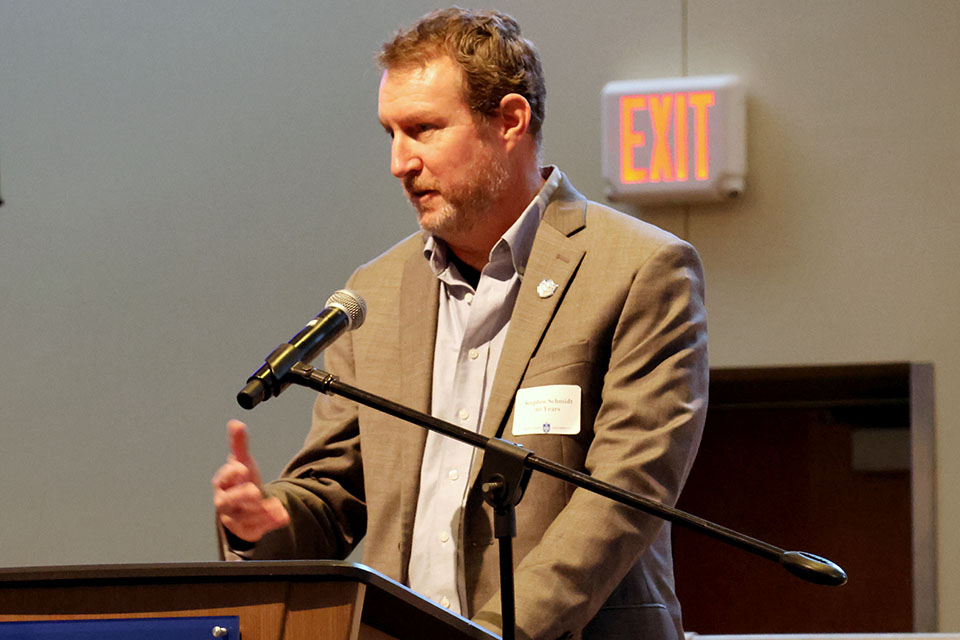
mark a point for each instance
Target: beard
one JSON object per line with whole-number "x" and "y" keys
{"x": 464, "y": 205}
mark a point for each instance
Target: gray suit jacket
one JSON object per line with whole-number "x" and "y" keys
{"x": 626, "y": 324}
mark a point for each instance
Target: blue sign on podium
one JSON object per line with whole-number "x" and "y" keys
{"x": 199, "y": 628}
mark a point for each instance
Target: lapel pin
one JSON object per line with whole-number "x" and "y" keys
{"x": 546, "y": 288}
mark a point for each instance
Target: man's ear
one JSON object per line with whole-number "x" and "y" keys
{"x": 514, "y": 118}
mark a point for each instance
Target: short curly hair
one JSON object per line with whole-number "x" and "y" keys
{"x": 487, "y": 45}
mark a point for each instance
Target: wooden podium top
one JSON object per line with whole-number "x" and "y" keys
{"x": 384, "y": 604}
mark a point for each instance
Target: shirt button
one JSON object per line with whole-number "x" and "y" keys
{"x": 468, "y": 297}
{"x": 473, "y": 353}
{"x": 464, "y": 414}
{"x": 445, "y": 602}
{"x": 454, "y": 474}
{"x": 444, "y": 536}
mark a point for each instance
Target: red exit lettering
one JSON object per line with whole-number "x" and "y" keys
{"x": 668, "y": 113}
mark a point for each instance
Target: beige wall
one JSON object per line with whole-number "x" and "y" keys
{"x": 186, "y": 182}
{"x": 845, "y": 246}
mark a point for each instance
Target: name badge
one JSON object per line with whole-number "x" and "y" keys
{"x": 553, "y": 409}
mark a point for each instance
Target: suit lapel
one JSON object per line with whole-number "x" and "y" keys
{"x": 419, "y": 302}
{"x": 553, "y": 256}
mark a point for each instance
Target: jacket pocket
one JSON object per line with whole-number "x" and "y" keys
{"x": 554, "y": 358}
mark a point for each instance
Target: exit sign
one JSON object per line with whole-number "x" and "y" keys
{"x": 674, "y": 140}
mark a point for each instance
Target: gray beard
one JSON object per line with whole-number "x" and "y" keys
{"x": 464, "y": 209}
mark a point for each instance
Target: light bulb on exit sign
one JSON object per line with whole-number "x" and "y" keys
{"x": 674, "y": 140}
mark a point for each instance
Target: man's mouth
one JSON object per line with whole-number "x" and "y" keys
{"x": 418, "y": 195}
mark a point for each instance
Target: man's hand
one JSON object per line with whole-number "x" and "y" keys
{"x": 238, "y": 492}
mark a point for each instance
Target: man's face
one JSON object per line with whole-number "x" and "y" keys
{"x": 452, "y": 168}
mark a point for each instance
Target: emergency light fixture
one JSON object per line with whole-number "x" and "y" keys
{"x": 674, "y": 140}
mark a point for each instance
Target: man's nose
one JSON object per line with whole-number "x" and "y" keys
{"x": 403, "y": 159}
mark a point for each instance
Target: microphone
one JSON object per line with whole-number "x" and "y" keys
{"x": 344, "y": 311}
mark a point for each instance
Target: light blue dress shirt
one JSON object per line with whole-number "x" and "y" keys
{"x": 471, "y": 327}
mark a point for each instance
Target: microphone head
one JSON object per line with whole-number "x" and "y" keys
{"x": 351, "y": 304}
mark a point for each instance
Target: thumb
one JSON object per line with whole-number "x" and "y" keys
{"x": 238, "y": 441}
{"x": 240, "y": 450}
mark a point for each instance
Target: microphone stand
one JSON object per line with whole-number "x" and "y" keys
{"x": 503, "y": 478}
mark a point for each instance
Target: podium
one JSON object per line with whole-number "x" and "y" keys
{"x": 293, "y": 600}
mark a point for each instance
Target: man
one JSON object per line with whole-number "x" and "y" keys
{"x": 516, "y": 286}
